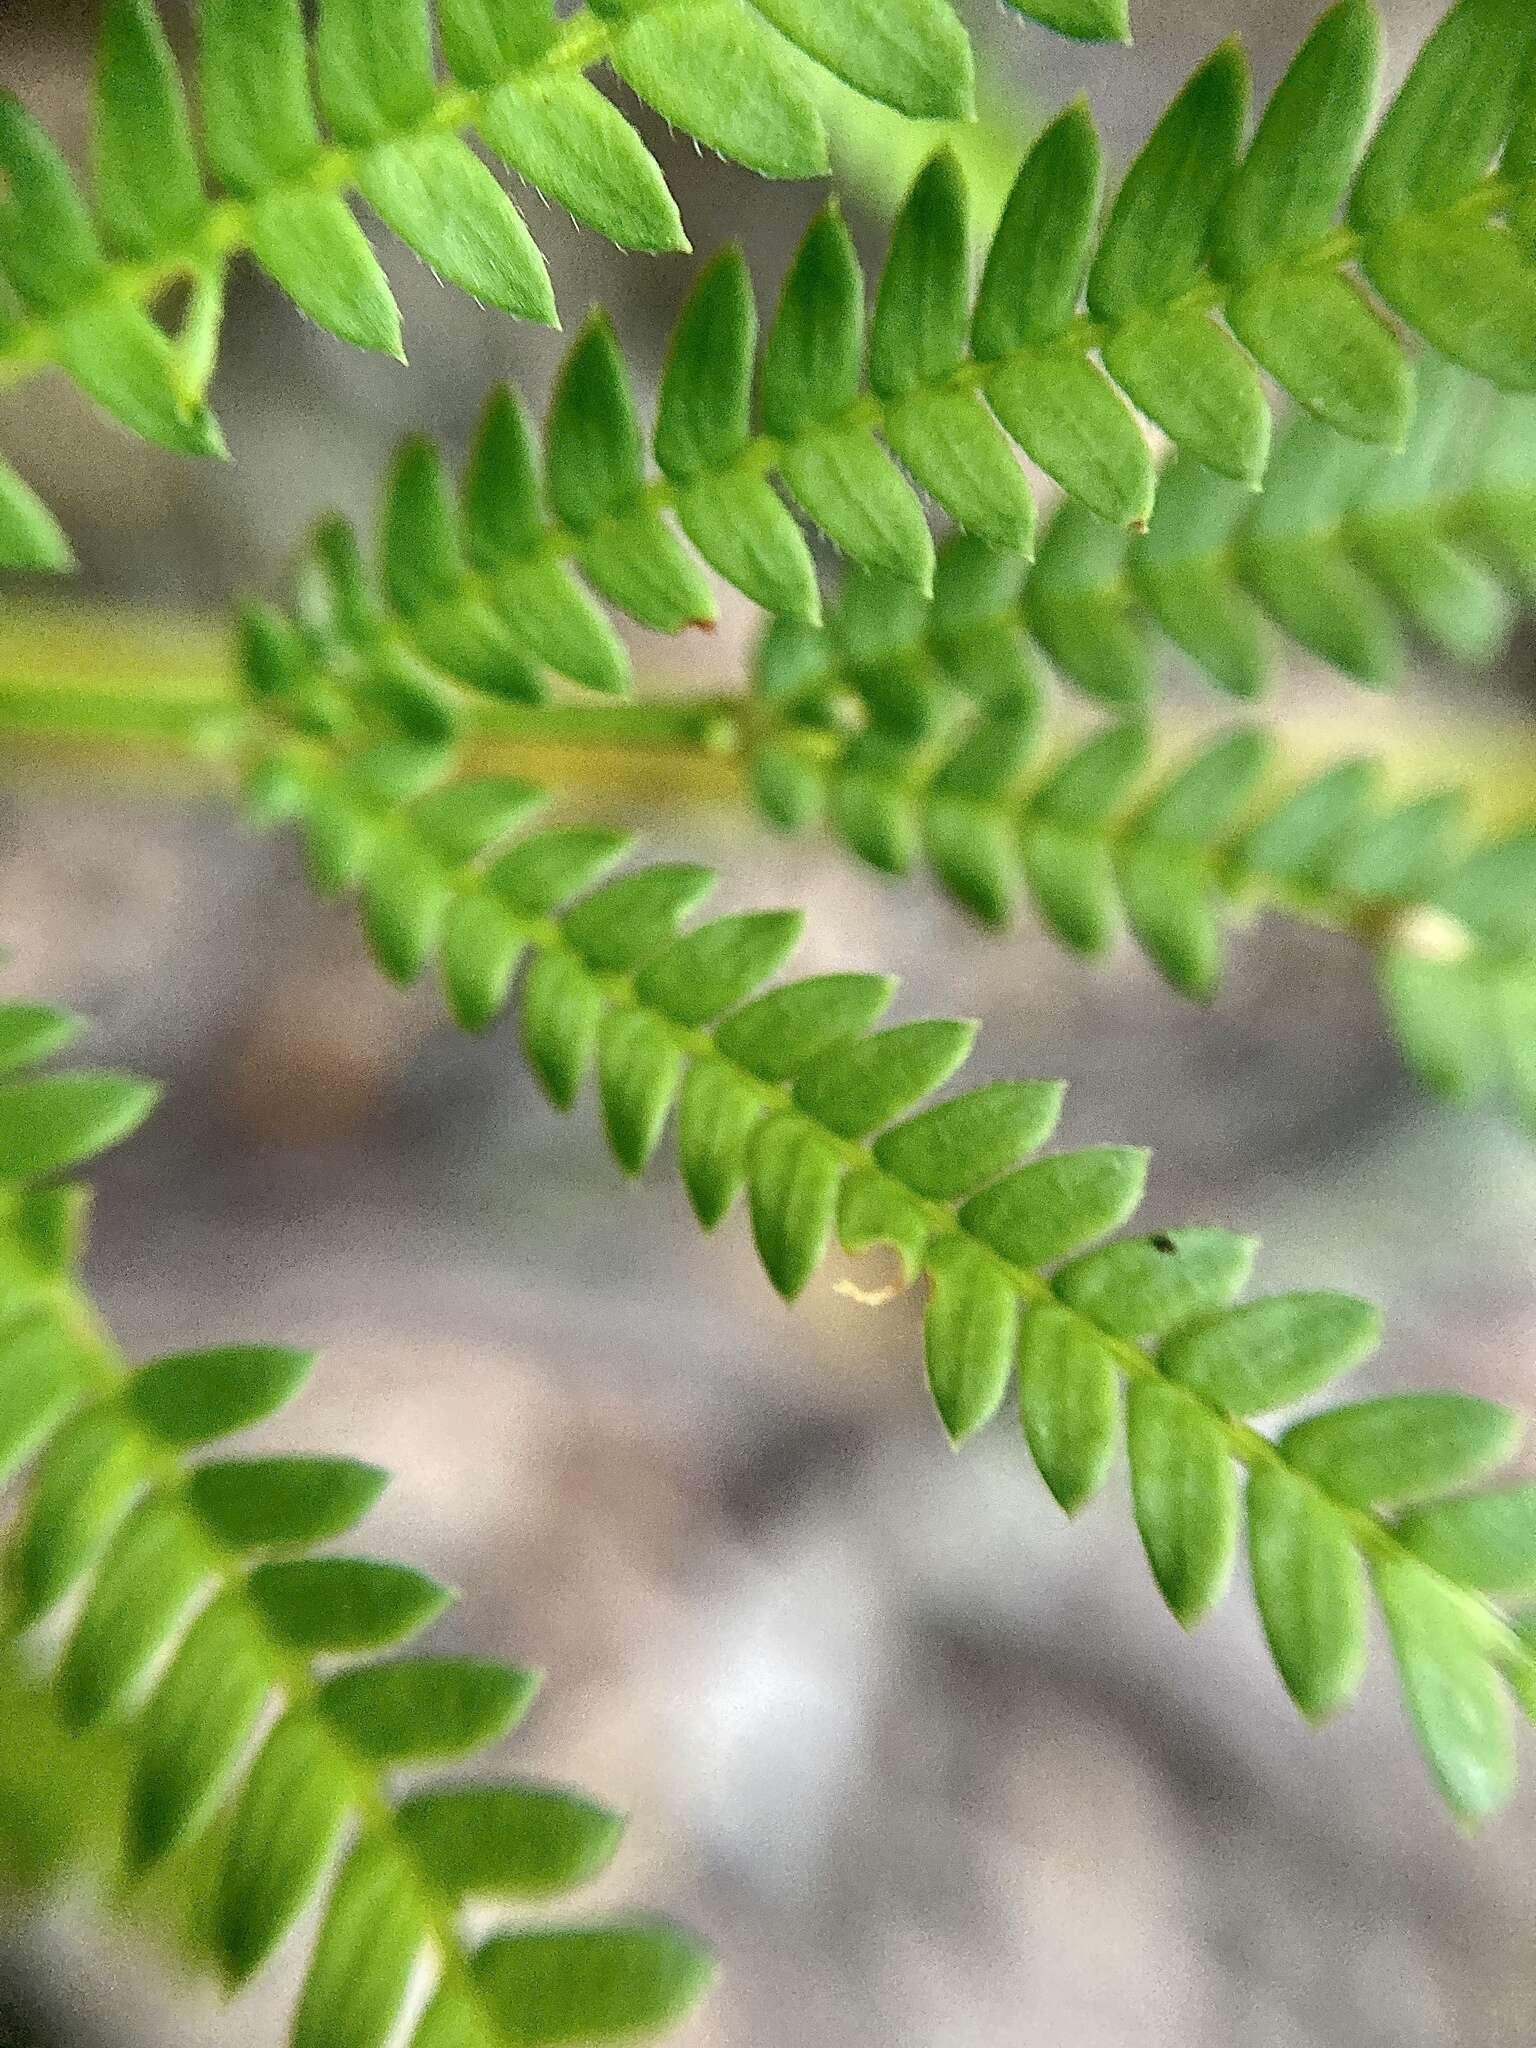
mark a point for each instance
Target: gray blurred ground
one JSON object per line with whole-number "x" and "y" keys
{"x": 929, "y": 1766}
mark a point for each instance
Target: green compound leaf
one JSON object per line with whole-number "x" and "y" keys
{"x": 1209, "y": 272}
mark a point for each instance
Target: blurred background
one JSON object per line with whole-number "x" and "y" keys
{"x": 926, "y": 1764}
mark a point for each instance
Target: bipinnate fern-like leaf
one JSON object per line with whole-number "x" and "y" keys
{"x": 479, "y": 582}
{"x": 794, "y": 1098}
{"x": 194, "y": 1617}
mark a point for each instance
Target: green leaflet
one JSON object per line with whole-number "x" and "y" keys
{"x": 1053, "y": 1207}
{"x": 944, "y": 1153}
{"x": 194, "y": 1729}
{"x": 792, "y": 1185}
{"x": 874, "y": 1212}
{"x": 1185, "y": 374}
{"x": 546, "y": 871}
{"x": 120, "y": 358}
{"x": 592, "y": 441}
{"x": 1069, "y": 1403}
{"x": 1470, "y": 290}
{"x": 373, "y": 66}
{"x": 1034, "y": 268}
{"x": 574, "y": 145}
{"x": 706, "y": 973}
{"x": 704, "y": 416}
{"x": 332, "y": 1604}
{"x": 911, "y": 54}
{"x": 1144, "y": 1287}
{"x": 1315, "y": 333}
{"x": 1486, "y": 1540}
{"x": 58, "y": 1120}
{"x": 39, "y": 1382}
{"x": 590, "y": 1984}
{"x": 1271, "y": 1352}
{"x": 30, "y": 536}
{"x": 1184, "y": 1488}
{"x": 35, "y": 1031}
{"x": 313, "y": 249}
{"x": 1401, "y": 1447}
{"x": 148, "y": 1577}
{"x": 1455, "y": 1697}
{"x": 48, "y": 247}
{"x": 968, "y": 1336}
{"x": 426, "y": 1707}
{"x": 1310, "y": 1586}
{"x": 258, "y": 1503}
{"x": 779, "y": 1034}
{"x": 148, "y": 186}
{"x": 374, "y": 1926}
{"x": 717, "y": 1114}
{"x": 1288, "y": 190}
{"x": 287, "y": 1822}
{"x": 639, "y": 1071}
{"x": 257, "y": 116}
{"x": 197, "y": 1396}
{"x": 1453, "y": 111}
{"x": 507, "y": 1841}
{"x": 621, "y": 924}
{"x": 769, "y": 122}
{"x": 81, "y": 1491}
{"x": 1155, "y": 241}
{"x": 561, "y": 1010}
{"x": 443, "y": 202}
{"x": 1069, "y": 419}
{"x": 956, "y": 452}
{"x": 853, "y": 491}
{"x": 919, "y": 329}
{"x": 853, "y": 1090}
{"x": 1091, "y": 20}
